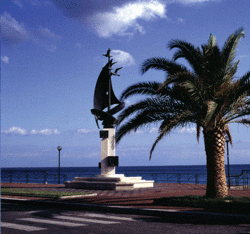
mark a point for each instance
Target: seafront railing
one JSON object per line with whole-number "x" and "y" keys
{"x": 39, "y": 176}
{"x": 30, "y": 176}
{"x": 172, "y": 177}
{"x": 242, "y": 179}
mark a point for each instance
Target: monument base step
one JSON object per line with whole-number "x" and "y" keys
{"x": 114, "y": 182}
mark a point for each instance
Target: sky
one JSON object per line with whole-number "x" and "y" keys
{"x": 51, "y": 56}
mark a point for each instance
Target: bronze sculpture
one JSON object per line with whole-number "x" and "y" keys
{"x": 104, "y": 96}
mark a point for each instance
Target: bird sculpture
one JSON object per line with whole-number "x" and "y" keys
{"x": 108, "y": 53}
{"x": 116, "y": 70}
{"x": 110, "y": 64}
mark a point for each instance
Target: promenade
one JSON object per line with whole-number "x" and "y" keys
{"x": 148, "y": 198}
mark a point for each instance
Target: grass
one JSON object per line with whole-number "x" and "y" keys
{"x": 229, "y": 204}
{"x": 38, "y": 193}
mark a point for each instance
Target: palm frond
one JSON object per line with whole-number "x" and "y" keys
{"x": 189, "y": 52}
{"x": 232, "y": 97}
{"x": 228, "y": 133}
{"x": 244, "y": 121}
{"x": 148, "y": 88}
{"x": 229, "y": 49}
{"x": 178, "y": 78}
{"x": 244, "y": 84}
{"x": 198, "y": 131}
{"x": 156, "y": 104}
{"x": 211, "y": 41}
{"x": 139, "y": 121}
{"x": 169, "y": 124}
{"x": 212, "y": 69}
{"x": 195, "y": 92}
{"x": 239, "y": 108}
{"x": 162, "y": 64}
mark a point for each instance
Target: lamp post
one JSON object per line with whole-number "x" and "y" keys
{"x": 228, "y": 172}
{"x": 59, "y": 148}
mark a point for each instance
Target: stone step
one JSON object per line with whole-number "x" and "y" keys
{"x": 97, "y": 185}
{"x": 111, "y": 179}
{"x": 101, "y": 179}
{"x": 131, "y": 179}
{"x": 109, "y": 183}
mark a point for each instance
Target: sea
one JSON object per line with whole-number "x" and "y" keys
{"x": 160, "y": 174}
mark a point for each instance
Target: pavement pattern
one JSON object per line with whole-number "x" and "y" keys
{"x": 139, "y": 198}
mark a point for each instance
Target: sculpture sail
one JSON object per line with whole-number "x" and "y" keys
{"x": 104, "y": 97}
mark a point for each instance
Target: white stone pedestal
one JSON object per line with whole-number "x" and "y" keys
{"x": 108, "y": 180}
{"x": 107, "y": 149}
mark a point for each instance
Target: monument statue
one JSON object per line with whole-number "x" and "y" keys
{"x": 104, "y": 96}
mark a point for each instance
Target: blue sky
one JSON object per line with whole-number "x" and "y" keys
{"x": 51, "y": 56}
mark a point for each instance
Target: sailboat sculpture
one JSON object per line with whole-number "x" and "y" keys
{"x": 104, "y": 96}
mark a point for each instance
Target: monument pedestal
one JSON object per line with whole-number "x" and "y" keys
{"x": 108, "y": 180}
{"x": 116, "y": 182}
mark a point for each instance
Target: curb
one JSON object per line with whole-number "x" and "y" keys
{"x": 171, "y": 215}
{"x": 78, "y": 196}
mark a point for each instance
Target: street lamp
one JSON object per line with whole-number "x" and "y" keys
{"x": 228, "y": 173}
{"x": 59, "y": 148}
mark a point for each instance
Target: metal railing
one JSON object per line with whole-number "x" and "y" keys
{"x": 30, "y": 177}
{"x": 242, "y": 179}
{"x": 38, "y": 176}
{"x": 172, "y": 177}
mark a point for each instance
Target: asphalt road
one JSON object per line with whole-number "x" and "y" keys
{"x": 19, "y": 218}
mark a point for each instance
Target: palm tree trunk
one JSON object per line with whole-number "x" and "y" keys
{"x": 216, "y": 175}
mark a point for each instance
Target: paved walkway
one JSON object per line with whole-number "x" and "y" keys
{"x": 140, "y": 198}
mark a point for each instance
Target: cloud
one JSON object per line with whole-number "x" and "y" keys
{"x": 12, "y": 31}
{"x": 15, "y": 131}
{"x": 5, "y": 59}
{"x": 155, "y": 130}
{"x": 21, "y": 131}
{"x": 187, "y": 130}
{"x": 46, "y": 132}
{"x": 123, "y": 17}
{"x": 84, "y": 131}
{"x": 123, "y": 20}
{"x": 145, "y": 131}
{"x": 46, "y": 38}
{"x": 123, "y": 58}
{"x": 46, "y": 33}
{"x": 180, "y": 21}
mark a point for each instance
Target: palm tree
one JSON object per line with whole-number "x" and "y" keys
{"x": 206, "y": 94}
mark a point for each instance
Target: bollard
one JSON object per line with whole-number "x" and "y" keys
{"x": 45, "y": 177}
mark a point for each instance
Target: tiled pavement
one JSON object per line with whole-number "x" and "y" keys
{"x": 138, "y": 197}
